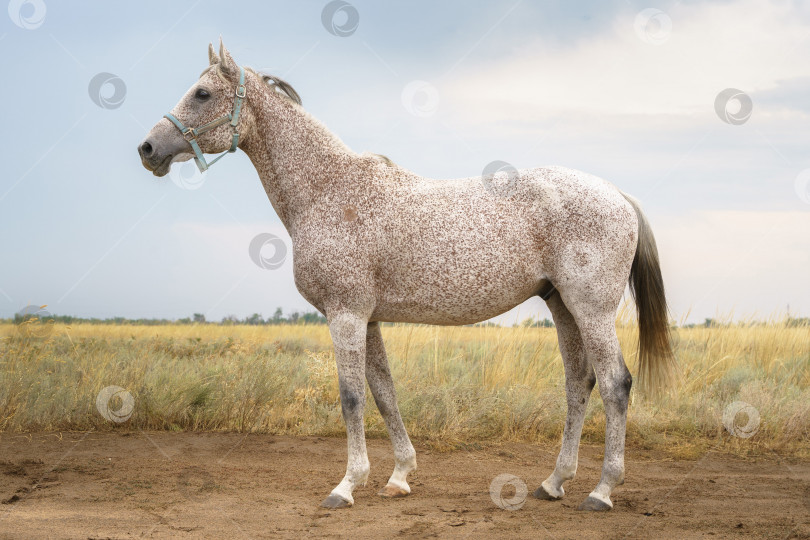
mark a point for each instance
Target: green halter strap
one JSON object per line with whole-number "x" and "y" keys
{"x": 191, "y": 134}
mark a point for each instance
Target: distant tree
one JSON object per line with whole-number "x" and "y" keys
{"x": 199, "y": 318}
{"x": 255, "y": 319}
{"x": 313, "y": 317}
{"x": 278, "y": 316}
{"x": 230, "y": 319}
{"x": 531, "y": 322}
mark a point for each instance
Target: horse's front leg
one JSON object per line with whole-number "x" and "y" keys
{"x": 379, "y": 379}
{"x": 348, "y": 332}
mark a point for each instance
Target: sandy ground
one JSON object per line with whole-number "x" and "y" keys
{"x": 185, "y": 485}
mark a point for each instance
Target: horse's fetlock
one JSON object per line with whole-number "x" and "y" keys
{"x": 614, "y": 473}
{"x": 407, "y": 462}
{"x": 358, "y": 473}
{"x": 566, "y": 470}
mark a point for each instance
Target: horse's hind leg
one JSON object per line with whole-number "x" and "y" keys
{"x": 381, "y": 384}
{"x": 597, "y": 326}
{"x": 579, "y": 381}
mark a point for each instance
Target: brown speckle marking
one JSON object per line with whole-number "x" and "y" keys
{"x": 349, "y": 213}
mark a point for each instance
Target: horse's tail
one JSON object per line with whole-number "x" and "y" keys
{"x": 656, "y": 361}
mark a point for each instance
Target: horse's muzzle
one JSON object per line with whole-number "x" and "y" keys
{"x": 153, "y": 160}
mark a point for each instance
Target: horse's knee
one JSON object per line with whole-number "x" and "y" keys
{"x": 350, "y": 402}
{"x": 382, "y": 407}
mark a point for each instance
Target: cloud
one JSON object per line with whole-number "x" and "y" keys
{"x": 751, "y": 45}
{"x": 739, "y": 260}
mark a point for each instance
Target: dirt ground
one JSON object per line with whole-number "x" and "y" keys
{"x": 185, "y": 485}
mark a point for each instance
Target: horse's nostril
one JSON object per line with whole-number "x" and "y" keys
{"x": 146, "y": 149}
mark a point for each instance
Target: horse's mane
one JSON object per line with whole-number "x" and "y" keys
{"x": 285, "y": 89}
{"x": 277, "y": 83}
{"x": 281, "y": 86}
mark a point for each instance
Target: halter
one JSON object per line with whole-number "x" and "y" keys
{"x": 191, "y": 134}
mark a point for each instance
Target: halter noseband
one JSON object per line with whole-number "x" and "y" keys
{"x": 190, "y": 134}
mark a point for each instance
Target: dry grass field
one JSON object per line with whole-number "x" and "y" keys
{"x": 216, "y": 431}
{"x": 458, "y": 386}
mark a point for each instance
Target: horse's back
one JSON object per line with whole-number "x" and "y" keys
{"x": 464, "y": 250}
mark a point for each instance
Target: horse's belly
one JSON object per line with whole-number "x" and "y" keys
{"x": 445, "y": 298}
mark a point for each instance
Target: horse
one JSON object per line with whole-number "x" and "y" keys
{"x": 374, "y": 242}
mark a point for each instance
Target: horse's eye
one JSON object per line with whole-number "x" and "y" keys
{"x": 202, "y": 94}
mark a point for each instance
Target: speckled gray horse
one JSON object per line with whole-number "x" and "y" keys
{"x": 375, "y": 242}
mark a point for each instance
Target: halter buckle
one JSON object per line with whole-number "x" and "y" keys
{"x": 241, "y": 92}
{"x": 189, "y": 135}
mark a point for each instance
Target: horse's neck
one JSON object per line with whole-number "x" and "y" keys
{"x": 297, "y": 158}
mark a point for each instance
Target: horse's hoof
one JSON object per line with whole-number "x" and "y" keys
{"x": 592, "y": 504}
{"x": 335, "y": 501}
{"x": 543, "y": 495}
{"x": 391, "y": 491}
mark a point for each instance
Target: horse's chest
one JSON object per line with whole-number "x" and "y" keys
{"x": 328, "y": 265}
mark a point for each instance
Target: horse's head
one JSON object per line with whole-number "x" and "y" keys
{"x": 205, "y": 120}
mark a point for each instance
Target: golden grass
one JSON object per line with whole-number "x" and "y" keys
{"x": 456, "y": 385}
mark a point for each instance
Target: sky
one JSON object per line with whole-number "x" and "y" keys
{"x": 698, "y": 109}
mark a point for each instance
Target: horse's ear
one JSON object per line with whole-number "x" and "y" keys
{"x": 227, "y": 65}
{"x": 212, "y": 56}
